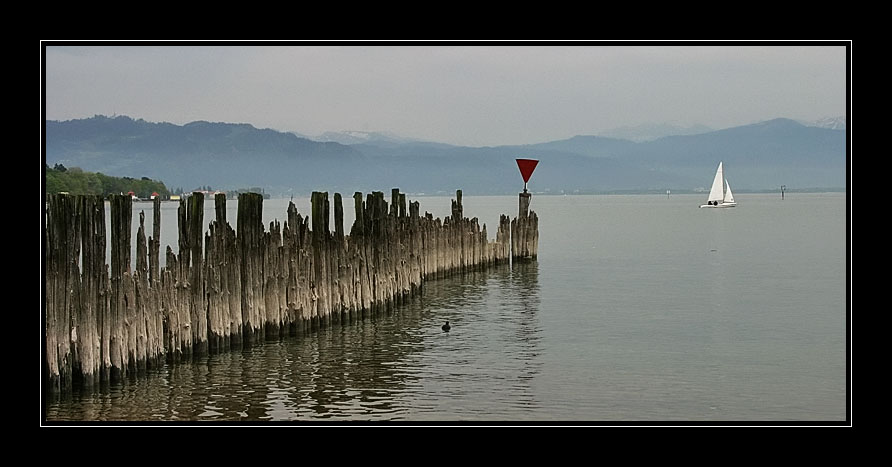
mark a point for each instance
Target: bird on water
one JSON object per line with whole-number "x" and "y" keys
{"x": 446, "y": 326}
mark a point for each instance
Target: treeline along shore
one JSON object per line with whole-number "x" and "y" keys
{"x": 228, "y": 287}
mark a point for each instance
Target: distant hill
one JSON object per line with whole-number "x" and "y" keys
{"x": 593, "y": 146}
{"x": 652, "y": 131}
{"x": 198, "y": 153}
{"x": 360, "y": 137}
{"x": 757, "y": 156}
{"x": 229, "y": 155}
{"x": 831, "y": 123}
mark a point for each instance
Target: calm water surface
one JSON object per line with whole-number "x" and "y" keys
{"x": 640, "y": 308}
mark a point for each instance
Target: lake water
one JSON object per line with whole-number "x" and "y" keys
{"x": 640, "y": 308}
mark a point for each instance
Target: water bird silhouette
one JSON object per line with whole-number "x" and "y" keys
{"x": 446, "y": 327}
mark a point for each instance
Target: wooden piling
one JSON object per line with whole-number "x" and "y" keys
{"x": 250, "y": 236}
{"x": 525, "y": 230}
{"x": 142, "y": 298}
{"x": 87, "y": 329}
{"x": 197, "y": 305}
{"x": 62, "y": 282}
{"x": 215, "y": 265}
{"x": 120, "y": 283}
{"x": 154, "y": 311}
{"x": 155, "y": 241}
{"x": 229, "y": 287}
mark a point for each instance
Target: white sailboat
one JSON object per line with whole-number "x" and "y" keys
{"x": 720, "y": 195}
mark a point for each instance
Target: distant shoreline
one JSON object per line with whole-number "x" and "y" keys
{"x": 615, "y": 192}
{"x": 695, "y": 192}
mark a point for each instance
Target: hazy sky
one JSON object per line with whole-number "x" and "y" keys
{"x": 475, "y": 95}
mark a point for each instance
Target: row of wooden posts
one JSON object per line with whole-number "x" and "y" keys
{"x": 227, "y": 288}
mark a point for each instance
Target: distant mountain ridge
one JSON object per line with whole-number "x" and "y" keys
{"x": 197, "y": 153}
{"x": 652, "y": 131}
{"x": 233, "y": 155}
{"x": 830, "y": 123}
{"x": 360, "y": 137}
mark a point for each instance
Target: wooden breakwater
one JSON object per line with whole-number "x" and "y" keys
{"x": 227, "y": 287}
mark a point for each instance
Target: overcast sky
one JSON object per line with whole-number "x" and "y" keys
{"x": 477, "y": 95}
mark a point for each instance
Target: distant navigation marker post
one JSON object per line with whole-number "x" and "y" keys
{"x": 526, "y": 166}
{"x": 525, "y": 228}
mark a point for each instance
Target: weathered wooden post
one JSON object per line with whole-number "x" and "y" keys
{"x": 341, "y": 267}
{"x": 297, "y": 263}
{"x": 321, "y": 234}
{"x": 197, "y": 305}
{"x": 60, "y": 286}
{"x": 524, "y": 204}
{"x": 93, "y": 292}
{"x": 359, "y": 236}
{"x": 176, "y": 295}
{"x": 272, "y": 272}
{"x": 216, "y": 278}
{"x": 156, "y": 318}
{"x": 155, "y": 241}
{"x": 250, "y": 233}
{"x": 142, "y": 298}
{"x": 121, "y": 213}
{"x": 525, "y": 229}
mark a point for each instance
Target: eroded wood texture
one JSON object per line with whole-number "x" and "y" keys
{"x": 226, "y": 287}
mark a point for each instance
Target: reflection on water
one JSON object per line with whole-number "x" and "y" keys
{"x": 642, "y": 309}
{"x": 396, "y": 366}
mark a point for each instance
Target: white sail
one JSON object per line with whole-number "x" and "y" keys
{"x": 729, "y": 197}
{"x": 720, "y": 195}
{"x": 716, "y": 193}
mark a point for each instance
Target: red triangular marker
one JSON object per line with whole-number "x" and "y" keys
{"x": 527, "y": 166}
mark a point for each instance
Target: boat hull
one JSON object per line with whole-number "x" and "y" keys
{"x": 722, "y": 205}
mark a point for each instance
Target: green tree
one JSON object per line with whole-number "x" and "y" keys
{"x": 75, "y": 181}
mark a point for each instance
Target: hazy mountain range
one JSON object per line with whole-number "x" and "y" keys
{"x": 237, "y": 155}
{"x": 360, "y": 137}
{"x": 652, "y": 131}
{"x": 637, "y": 133}
{"x": 832, "y": 123}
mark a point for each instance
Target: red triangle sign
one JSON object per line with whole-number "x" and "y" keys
{"x": 527, "y": 166}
